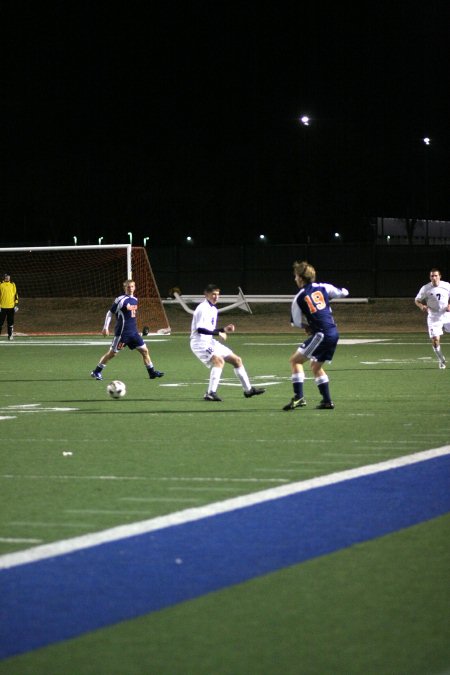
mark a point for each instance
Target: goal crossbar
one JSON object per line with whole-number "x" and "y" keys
{"x": 87, "y": 247}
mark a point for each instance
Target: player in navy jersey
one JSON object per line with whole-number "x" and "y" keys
{"x": 126, "y": 334}
{"x": 311, "y": 310}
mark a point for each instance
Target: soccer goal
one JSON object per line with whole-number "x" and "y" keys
{"x": 68, "y": 289}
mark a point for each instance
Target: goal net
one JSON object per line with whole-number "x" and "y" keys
{"x": 69, "y": 289}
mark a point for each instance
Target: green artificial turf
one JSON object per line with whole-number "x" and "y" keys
{"x": 74, "y": 461}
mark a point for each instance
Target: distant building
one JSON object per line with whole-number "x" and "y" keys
{"x": 412, "y": 231}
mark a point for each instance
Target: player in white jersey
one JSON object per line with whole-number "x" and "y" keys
{"x": 434, "y": 299}
{"x": 212, "y": 353}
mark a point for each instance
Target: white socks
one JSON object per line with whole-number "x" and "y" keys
{"x": 216, "y": 373}
{"x": 437, "y": 351}
{"x": 214, "y": 378}
{"x": 241, "y": 373}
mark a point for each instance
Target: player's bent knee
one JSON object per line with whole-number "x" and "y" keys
{"x": 217, "y": 361}
{"x": 234, "y": 360}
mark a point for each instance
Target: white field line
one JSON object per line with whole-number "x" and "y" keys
{"x": 19, "y": 540}
{"x": 342, "y": 341}
{"x": 170, "y": 499}
{"x": 36, "y": 342}
{"x": 196, "y": 488}
{"x": 286, "y": 342}
{"x": 111, "y": 512}
{"x": 187, "y": 479}
{"x": 35, "y": 523}
{"x": 191, "y": 515}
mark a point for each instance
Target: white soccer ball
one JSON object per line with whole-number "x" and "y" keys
{"x": 116, "y": 389}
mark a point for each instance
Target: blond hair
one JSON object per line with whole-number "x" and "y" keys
{"x": 305, "y": 271}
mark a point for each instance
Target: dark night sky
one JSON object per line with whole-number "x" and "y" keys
{"x": 174, "y": 118}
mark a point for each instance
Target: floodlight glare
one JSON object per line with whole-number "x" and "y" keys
{"x": 427, "y": 140}
{"x": 304, "y": 120}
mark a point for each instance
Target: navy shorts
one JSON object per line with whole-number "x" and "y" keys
{"x": 320, "y": 347}
{"x": 130, "y": 340}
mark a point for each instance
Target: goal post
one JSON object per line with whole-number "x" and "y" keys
{"x": 68, "y": 289}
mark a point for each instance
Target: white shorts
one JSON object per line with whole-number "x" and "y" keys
{"x": 438, "y": 324}
{"x": 205, "y": 352}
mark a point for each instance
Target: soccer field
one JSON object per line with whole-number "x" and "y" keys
{"x": 163, "y": 534}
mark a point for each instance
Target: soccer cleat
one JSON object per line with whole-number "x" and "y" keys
{"x": 442, "y": 363}
{"x": 155, "y": 373}
{"x": 253, "y": 392}
{"x": 96, "y": 376}
{"x": 325, "y": 405}
{"x": 11, "y": 337}
{"x": 295, "y": 403}
{"x": 211, "y": 396}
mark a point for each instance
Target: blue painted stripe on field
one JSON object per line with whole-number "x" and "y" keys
{"x": 62, "y": 597}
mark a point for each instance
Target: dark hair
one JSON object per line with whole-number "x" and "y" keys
{"x": 211, "y": 287}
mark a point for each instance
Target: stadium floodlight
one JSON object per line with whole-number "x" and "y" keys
{"x": 427, "y": 140}
{"x": 262, "y": 237}
{"x": 189, "y": 239}
{"x": 305, "y": 120}
{"x": 146, "y": 240}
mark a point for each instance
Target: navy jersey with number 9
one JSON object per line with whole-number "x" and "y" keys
{"x": 311, "y": 305}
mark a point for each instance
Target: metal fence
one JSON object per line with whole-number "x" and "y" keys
{"x": 366, "y": 270}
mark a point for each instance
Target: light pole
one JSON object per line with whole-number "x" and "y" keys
{"x": 305, "y": 173}
{"x": 427, "y": 146}
{"x": 130, "y": 234}
{"x": 100, "y": 239}
{"x": 146, "y": 240}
